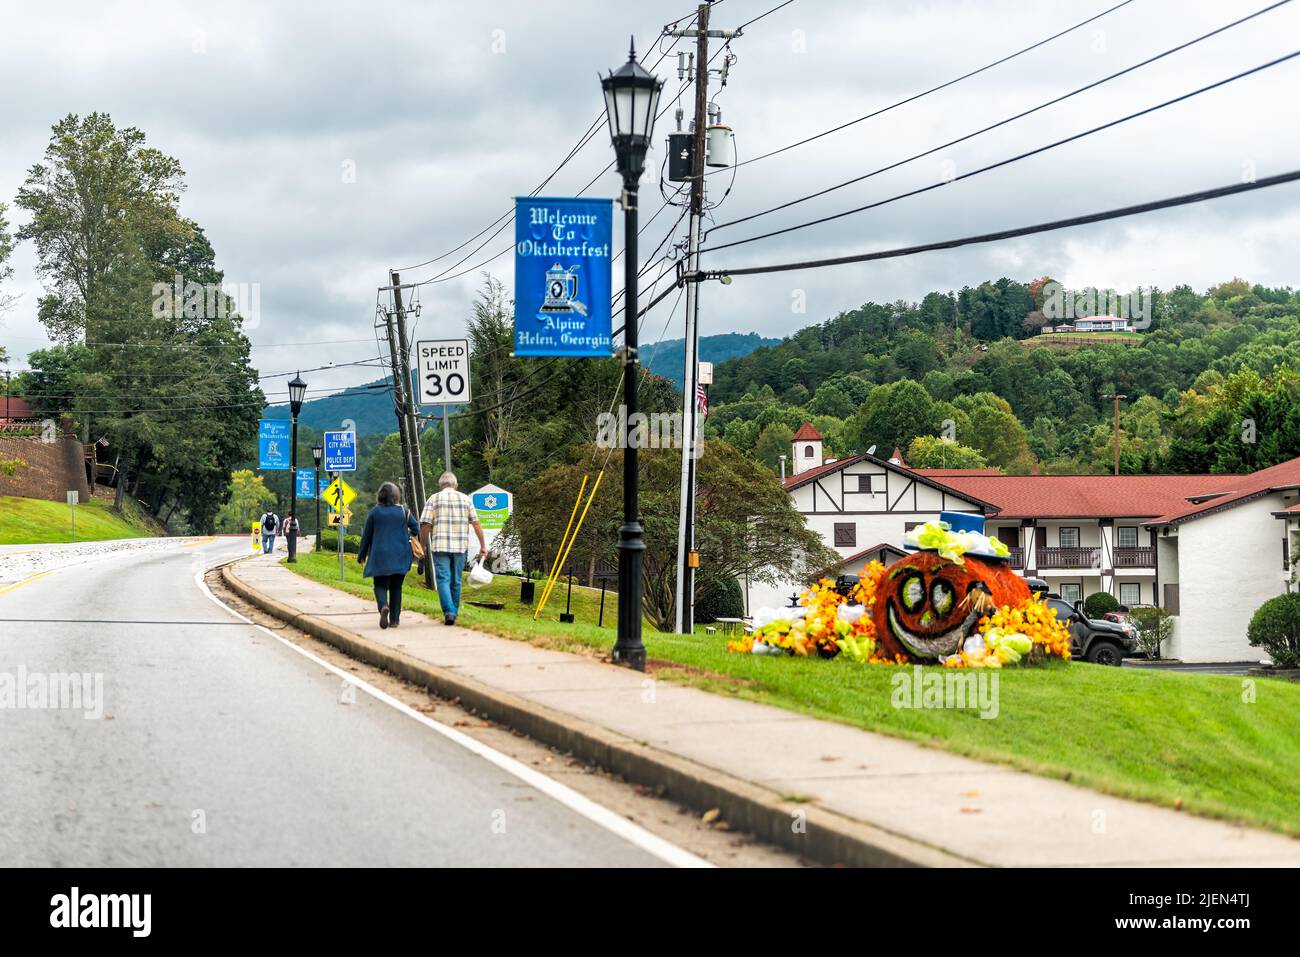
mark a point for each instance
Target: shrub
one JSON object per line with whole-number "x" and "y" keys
{"x": 719, "y": 598}
{"x": 1275, "y": 627}
{"x": 1098, "y": 603}
{"x": 1155, "y": 627}
{"x": 329, "y": 543}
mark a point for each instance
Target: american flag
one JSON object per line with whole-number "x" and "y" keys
{"x": 701, "y": 400}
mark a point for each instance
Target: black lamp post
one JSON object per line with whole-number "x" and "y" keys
{"x": 317, "y": 453}
{"x": 297, "y": 392}
{"x": 631, "y": 101}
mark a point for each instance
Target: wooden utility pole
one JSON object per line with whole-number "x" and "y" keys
{"x": 690, "y": 379}
{"x": 1117, "y": 397}
{"x": 405, "y": 404}
{"x": 399, "y": 397}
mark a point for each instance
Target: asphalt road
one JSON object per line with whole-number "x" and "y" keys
{"x": 220, "y": 745}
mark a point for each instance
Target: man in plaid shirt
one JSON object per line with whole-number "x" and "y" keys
{"x": 444, "y": 532}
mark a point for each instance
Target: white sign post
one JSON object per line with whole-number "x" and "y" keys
{"x": 73, "y": 497}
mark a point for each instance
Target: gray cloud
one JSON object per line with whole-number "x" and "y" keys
{"x": 447, "y": 111}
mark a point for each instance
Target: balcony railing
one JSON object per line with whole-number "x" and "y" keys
{"x": 1017, "y": 557}
{"x": 1069, "y": 558}
{"x": 1143, "y": 556}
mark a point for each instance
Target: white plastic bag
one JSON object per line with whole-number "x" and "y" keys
{"x": 479, "y": 574}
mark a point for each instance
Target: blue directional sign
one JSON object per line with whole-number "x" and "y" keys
{"x": 273, "y": 439}
{"x": 340, "y": 452}
{"x": 308, "y": 486}
{"x": 562, "y": 276}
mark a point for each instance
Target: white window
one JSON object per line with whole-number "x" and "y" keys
{"x": 1071, "y": 592}
{"x": 1127, "y": 536}
{"x": 1069, "y": 537}
{"x": 1130, "y": 593}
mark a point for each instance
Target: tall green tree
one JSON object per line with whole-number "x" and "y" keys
{"x": 166, "y": 382}
{"x": 249, "y": 498}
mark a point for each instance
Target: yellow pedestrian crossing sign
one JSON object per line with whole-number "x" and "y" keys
{"x": 332, "y": 518}
{"x": 338, "y": 495}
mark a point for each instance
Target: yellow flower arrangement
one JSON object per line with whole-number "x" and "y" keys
{"x": 1027, "y": 632}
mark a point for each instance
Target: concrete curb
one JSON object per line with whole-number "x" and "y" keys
{"x": 816, "y": 833}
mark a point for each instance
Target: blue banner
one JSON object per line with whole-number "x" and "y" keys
{"x": 273, "y": 437}
{"x": 308, "y": 487}
{"x": 562, "y": 276}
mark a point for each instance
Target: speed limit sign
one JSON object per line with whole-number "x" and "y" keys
{"x": 443, "y": 369}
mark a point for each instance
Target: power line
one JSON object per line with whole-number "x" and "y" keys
{"x": 1009, "y": 160}
{"x": 934, "y": 89}
{"x": 1184, "y": 200}
{"x": 583, "y": 140}
{"x": 993, "y": 126}
{"x": 762, "y": 15}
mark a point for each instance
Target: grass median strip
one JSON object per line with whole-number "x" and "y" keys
{"x": 1216, "y": 745}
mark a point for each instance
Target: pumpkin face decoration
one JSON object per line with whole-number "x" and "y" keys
{"x": 927, "y": 604}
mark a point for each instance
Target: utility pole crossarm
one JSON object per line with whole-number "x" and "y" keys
{"x": 718, "y": 34}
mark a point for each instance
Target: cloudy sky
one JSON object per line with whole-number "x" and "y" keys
{"x": 327, "y": 142}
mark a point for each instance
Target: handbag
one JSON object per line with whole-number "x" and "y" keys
{"x": 417, "y": 548}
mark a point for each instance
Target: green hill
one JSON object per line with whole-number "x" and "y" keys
{"x": 35, "y": 521}
{"x": 370, "y": 405}
{"x": 668, "y": 357}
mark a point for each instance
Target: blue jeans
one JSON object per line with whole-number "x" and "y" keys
{"x": 447, "y": 568}
{"x": 268, "y": 543}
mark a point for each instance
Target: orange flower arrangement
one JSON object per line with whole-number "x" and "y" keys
{"x": 1027, "y": 631}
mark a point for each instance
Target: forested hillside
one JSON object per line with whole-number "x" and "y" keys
{"x": 1212, "y": 385}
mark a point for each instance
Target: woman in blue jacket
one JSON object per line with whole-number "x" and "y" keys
{"x": 386, "y": 550}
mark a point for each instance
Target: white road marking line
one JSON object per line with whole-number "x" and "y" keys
{"x": 619, "y": 826}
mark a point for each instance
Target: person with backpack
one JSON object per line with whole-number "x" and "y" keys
{"x": 270, "y": 523}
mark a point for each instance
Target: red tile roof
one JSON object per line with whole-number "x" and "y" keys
{"x": 807, "y": 433}
{"x": 956, "y": 473}
{"x": 1089, "y": 496}
{"x": 1239, "y": 489}
{"x": 12, "y": 407}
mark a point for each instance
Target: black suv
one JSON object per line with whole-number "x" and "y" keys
{"x": 1101, "y": 642}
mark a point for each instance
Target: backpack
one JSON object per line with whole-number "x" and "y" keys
{"x": 269, "y": 523}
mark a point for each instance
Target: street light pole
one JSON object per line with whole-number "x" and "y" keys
{"x": 316, "y": 454}
{"x": 631, "y": 101}
{"x": 297, "y": 392}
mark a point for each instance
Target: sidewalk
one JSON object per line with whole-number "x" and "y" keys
{"x": 835, "y": 793}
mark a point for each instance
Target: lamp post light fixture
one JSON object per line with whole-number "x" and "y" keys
{"x": 297, "y": 392}
{"x": 631, "y": 102}
{"x": 317, "y": 453}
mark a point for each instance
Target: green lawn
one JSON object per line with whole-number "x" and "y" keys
{"x": 34, "y": 521}
{"x": 1140, "y": 733}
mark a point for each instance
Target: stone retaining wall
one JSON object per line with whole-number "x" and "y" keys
{"x": 53, "y": 468}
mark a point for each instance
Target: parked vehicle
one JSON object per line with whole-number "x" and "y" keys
{"x": 1092, "y": 639}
